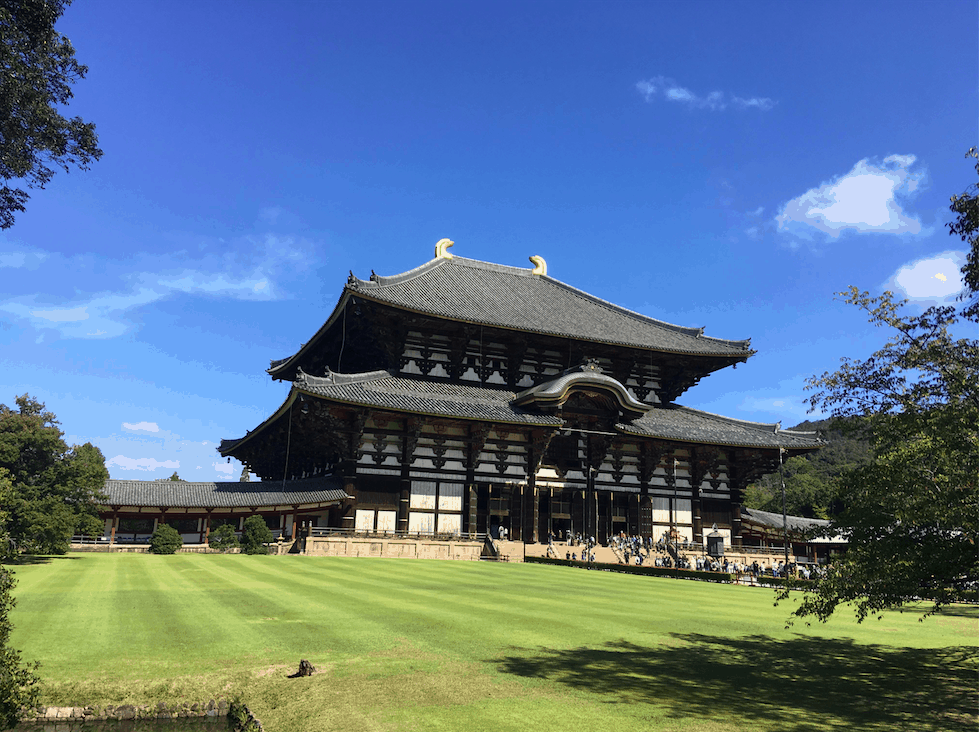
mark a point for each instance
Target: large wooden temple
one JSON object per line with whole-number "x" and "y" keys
{"x": 463, "y": 397}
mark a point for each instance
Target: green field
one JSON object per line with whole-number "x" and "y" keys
{"x": 430, "y": 645}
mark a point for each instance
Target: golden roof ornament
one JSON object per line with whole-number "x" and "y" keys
{"x": 441, "y": 249}
{"x": 540, "y": 266}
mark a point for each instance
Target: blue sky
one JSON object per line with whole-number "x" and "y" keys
{"x": 725, "y": 165}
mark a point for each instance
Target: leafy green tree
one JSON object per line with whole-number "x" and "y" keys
{"x": 223, "y": 538}
{"x": 813, "y": 480}
{"x": 165, "y": 540}
{"x": 255, "y": 535}
{"x": 18, "y": 682}
{"x": 912, "y": 517}
{"x": 175, "y": 478}
{"x": 39, "y": 69}
{"x": 54, "y": 490}
{"x": 966, "y": 226}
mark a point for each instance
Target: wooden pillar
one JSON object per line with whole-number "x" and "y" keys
{"x": 473, "y": 506}
{"x": 515, "y": 531}
{"x": 696, "y": 518}
{"x": 632, "y": 525}
{"x": 349, "y": 506}
{"x": 404, "y": 502}
{"x": 531, "y": 512}
{"x": 295, "y": 520}
{"x": 736, "y": 498}
{"x": 115, "y": 525}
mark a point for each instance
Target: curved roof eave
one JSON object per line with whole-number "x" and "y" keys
{"x": 279, "y": 365}
{"x": 226, "y": 446}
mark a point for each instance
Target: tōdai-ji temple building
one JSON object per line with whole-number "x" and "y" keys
{"x": 464, "y": 397}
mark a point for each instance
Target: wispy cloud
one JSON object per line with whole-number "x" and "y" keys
{"x": 715, "y": 101}
{"x": 247, "y": 271}
{"x": 930, "y": 280}
{"x": 223, "y": 468}
{"x": 145, "y": 464}
{"x": 869, "y": 198}
{"x": 141, "y": 426}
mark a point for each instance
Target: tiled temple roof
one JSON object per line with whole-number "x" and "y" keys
{"x": 184, "y": 494}
{"x": 674, "y": 422}
{"x": 510, "y": 297}
{"x": 774, "y": 520}
{"x": 385, "y": 391}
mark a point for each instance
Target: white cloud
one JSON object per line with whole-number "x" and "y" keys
{"x": 932, "y": 279}
{"x": 867, "y": 199}
{"x": 247, "y": 274}
{"x": 147, "y": 464}
{"x": 715, "y": 101}
{"x": 223, "y": 468}
{"x": 141, "y": 426}
{"x": 762, "y": 103}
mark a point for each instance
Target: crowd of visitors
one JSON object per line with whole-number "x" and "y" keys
{"x": 639, "y": 551}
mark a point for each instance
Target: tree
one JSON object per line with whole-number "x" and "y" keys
{"x": 175, "y": 478}
{"x": 255, "y": 534}
{"x": 223, "y": 538}
{"x": 39, "y": 69}
{"x": 18, "y": 682}
{"x": 813, "y": 480}
{"x": 912, "y": 518}
{"x": 966, "y": 226}
{"x": 165, "y": 540}
{"x": 54, "y": 490}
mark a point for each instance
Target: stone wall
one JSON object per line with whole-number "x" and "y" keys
{"x": 352, "y": 546}
{"x": 116, "y": 713}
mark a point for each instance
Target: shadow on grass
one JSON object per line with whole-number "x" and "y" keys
{"x": 25, "y": 559}
{"x": 798, "y": 685}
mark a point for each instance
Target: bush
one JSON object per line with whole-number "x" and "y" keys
{"x": 255, "y": 535}
{"x": 223, "y": 538}
{"x": 165, "y": 540}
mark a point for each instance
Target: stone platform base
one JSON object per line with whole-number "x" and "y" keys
{"x": 351, "y": 546}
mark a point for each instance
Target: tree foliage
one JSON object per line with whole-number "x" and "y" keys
{"x": 18, "y": 681}
{"x": 165, "y": 540}
{"x": 255, "y": 535}
{"x": 223, "y": 538}
{"x": 53, "y": 489}
{"x": 966, "y": 226}
{"x": 912, "y": 515}
{"x": 813, "y": 481}
{"x": 39, "y": 69}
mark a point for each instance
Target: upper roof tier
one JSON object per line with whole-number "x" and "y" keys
{"x": 512, "y": 297}
{"x": 480, "y": 293}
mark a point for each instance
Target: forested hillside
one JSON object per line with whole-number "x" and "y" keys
{"x": 812, "y": 481}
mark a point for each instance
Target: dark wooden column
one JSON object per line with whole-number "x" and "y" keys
{"x": 632, "y": 525}
{"x": 206, "y": 531}
{"x": 409, "y": 439}
{"x": 516, "y": 513}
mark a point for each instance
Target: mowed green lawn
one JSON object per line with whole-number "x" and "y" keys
{"x": 430, "y": 645}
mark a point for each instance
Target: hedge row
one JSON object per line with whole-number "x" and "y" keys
{"x": 639, "y": 569}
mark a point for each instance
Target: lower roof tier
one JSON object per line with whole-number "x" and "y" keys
{"x": 383, "y": 391}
